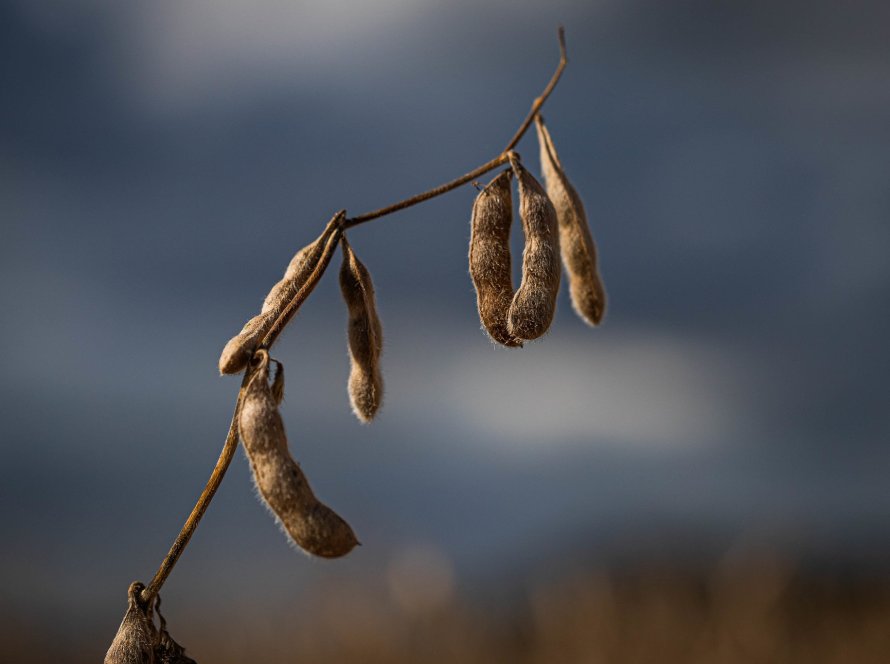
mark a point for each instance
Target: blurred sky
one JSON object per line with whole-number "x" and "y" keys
{"x": 160, "y": 162}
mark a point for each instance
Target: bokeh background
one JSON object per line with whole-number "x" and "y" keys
{"x": 685, "y": 478}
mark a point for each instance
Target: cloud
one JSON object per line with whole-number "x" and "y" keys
{"x": 623, "y": 387}
{"x": 169, "y": 54}
{"x": 188, "y": 49}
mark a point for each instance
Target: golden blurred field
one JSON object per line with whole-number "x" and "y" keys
{"x": 732, "y": 613}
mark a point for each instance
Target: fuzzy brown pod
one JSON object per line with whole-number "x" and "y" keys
{"x": 534, "y": 303}
{"x": 576, "y": 243}
{"x": 280, "y": 482}
{"x": 237, "y": 352}
{"x": 490, "y": 265}
{"x": 297, "y": 272}
{"x": 134, "y": 641}
{"x": 239, "y": 349}
{"x": 365, "y": 336}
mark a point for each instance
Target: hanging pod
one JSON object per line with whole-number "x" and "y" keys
{"x": 297, "y": 272}
{"x": 365, "y": 336}
{"x": 490, "y": 266}
{"x": 239, "y": 349}
{"x": 237, "y": 352}
{"x": 280, "y": 482}
{"x": 575, "y": 240}
{"x": 534, "y": 303}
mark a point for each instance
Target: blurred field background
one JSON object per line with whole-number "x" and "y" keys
{"x": 704, "y": 479}
{"x": 747, "y": 610}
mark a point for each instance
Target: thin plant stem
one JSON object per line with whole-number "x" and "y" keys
{"x": 539, "y": 101}
{"x": 216, "y": 478}
{"x": 502, "y": 158}
{"x": 432, "y": 193}
{"x": 341, "y": 224}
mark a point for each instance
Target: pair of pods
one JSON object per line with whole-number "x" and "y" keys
{"x": 554, "y": 223}
{"x": 279, "y": 480}
{"x": 364, "y": 331}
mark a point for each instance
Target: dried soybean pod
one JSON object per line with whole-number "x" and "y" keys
{"x": 280, "y": 482}
{"x": 365, "y": 336}
{"x": 133, "y": 643}
{"x": 298, "y": 270}
{"x": 534, "y": 303}
{"x": 277, "y": 295}
{"x": 575, "y": 240}
{"x": 490, "y": 266}
{"x": 238, "y": 350}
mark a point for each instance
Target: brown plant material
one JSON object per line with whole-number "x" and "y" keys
{"x": 298, "y": 270}
{"x": 278, "y": 383}
{"x": 239, "y": 349}
{"x": 170, "y": 652}
{"x": 534, "y": 303}
{"x": 490, "y": 266}
{"x": 365, "y": 336}
{"x": 138, "y": 641}
{"x": 575, "y": 240}
{"x": 134, "y": 641}
{"x": 167, "y": 651}
{"x": 280, "y": 482}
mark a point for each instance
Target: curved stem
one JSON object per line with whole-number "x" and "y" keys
{"x": 216, "y": 478}
{"x": 539, "y": 101}
{"x": 432, "y": 193}
{"x": 484, "y": 168}
{"x": 231, "y": 444}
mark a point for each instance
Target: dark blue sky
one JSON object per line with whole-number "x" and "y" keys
{"x": 160, "y": 164}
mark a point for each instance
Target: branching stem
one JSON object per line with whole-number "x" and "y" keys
{"x": 340, "y": 225}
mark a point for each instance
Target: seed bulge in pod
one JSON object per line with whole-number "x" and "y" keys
{"x": 298, "y": 271}
{"x": 365, "y": 336}
{"x": 490, "y": 265}
{"x": 576, "y": 243}
{"x": 534, "y": 303}
{"x": 280, "y": 482}
{"x": 134, "y": 641}
{"x": 239, "y": 349}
